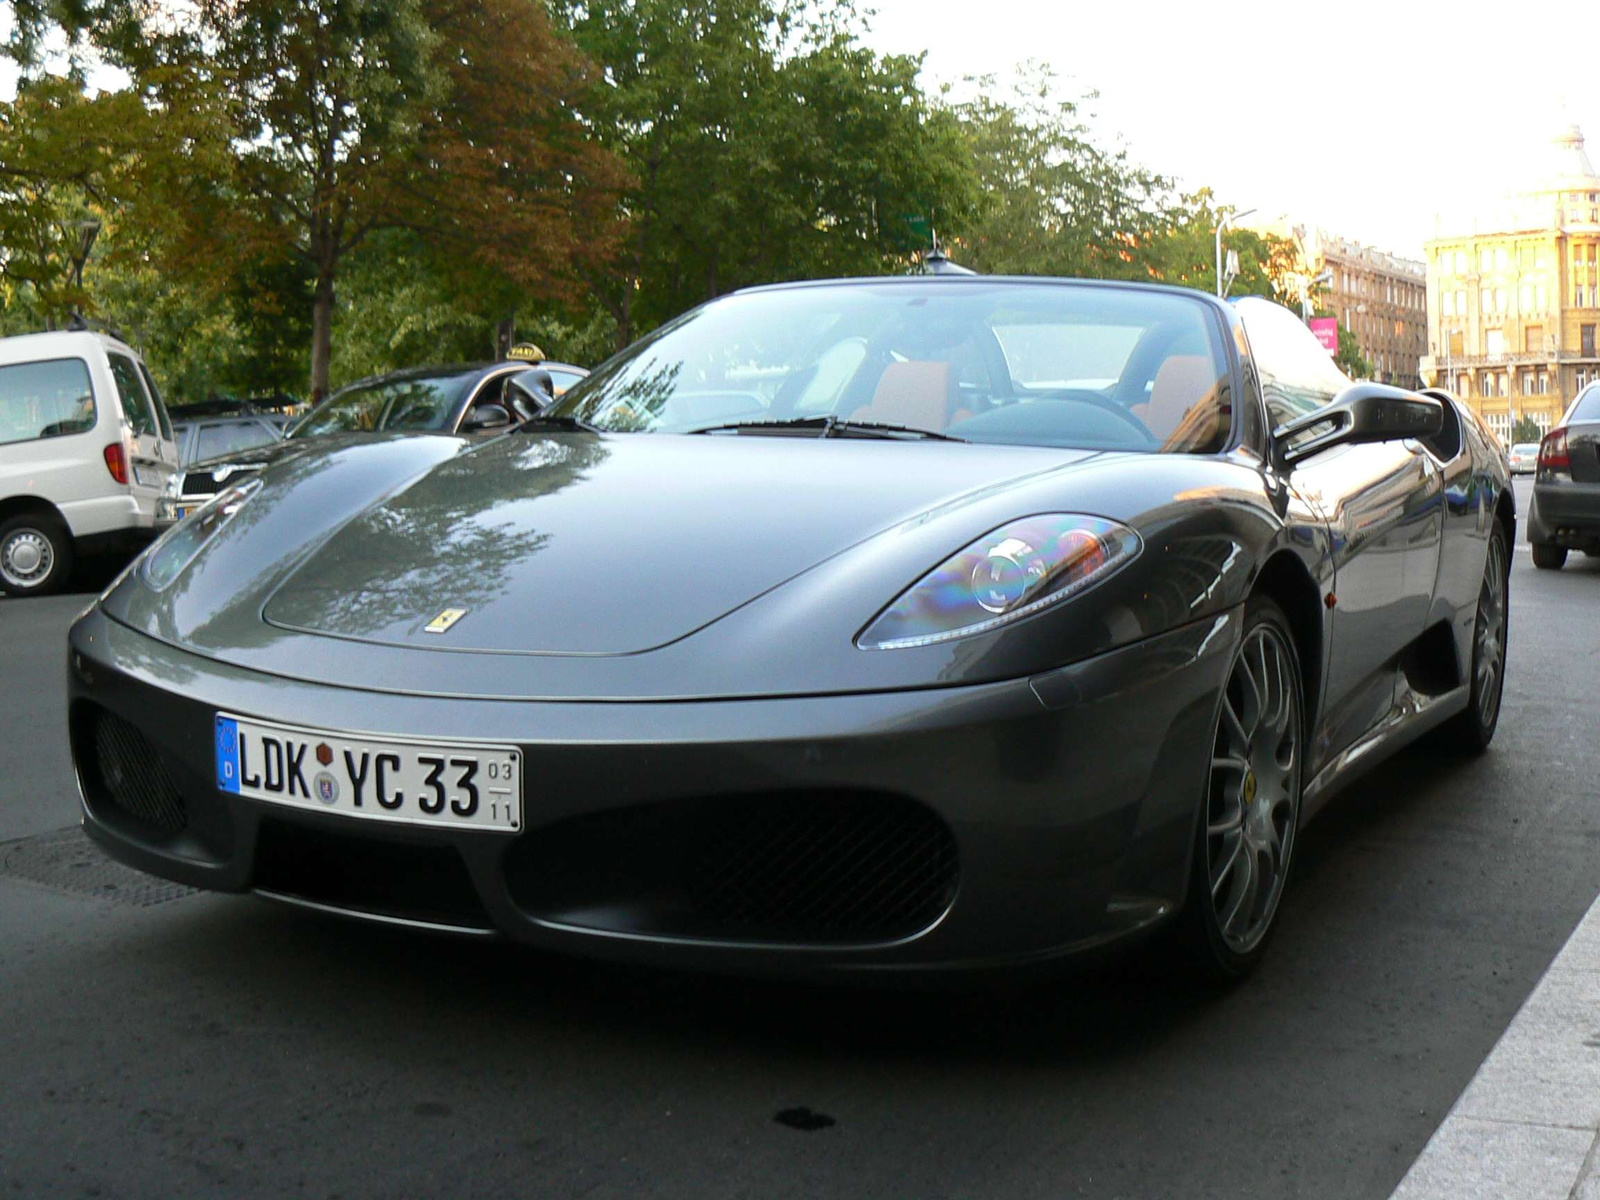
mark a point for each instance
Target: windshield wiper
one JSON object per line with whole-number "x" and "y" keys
{"x": 557, "y": 421}
{"x": 832, "y": 426}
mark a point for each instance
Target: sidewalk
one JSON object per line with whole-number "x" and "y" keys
{"x": 1528, "y": 1125}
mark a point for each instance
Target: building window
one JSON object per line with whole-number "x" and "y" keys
{"x": 1486, "y": 299}
{"x": 1485, "y": 260}
{"x": 1500, "y": 300}
{"x": 1544, "y": 384}
{"x": 1448, "y": 299}
{"x": 1586, "y": 340}
{"x": 1541, "y": 299}
{"x": 1501, "y": 258}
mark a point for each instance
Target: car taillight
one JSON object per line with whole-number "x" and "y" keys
{"x": 117, "y": 462}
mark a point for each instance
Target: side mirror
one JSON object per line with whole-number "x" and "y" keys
{"x": 1364, "y": 412}
{"x": 486, "y": 416}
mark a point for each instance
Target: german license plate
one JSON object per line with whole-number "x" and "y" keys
{"x": 183, "y": 510}
{"x": 414, "y": 782}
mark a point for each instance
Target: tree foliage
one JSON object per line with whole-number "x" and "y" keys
{"x": 764, "y": 143}
{"x": 294, "y": 189}
{"x": 1054, "y": 201}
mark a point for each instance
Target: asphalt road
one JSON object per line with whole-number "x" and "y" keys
{"x": 213, "y": 1045}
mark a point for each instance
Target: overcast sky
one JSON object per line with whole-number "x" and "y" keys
{"x": 1362, "y": 116}
{"x": 1366, "y": 117}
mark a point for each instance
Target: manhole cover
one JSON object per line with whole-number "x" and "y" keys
{"x": 69, "y": 861}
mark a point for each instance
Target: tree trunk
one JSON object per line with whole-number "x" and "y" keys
{"x": 321, "y": 333}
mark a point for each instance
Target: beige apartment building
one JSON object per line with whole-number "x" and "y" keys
{"x": 1379, "y": 297}
{"x": 1514, "y": 295}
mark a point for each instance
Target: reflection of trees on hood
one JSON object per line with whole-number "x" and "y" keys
{"x": 451, "y": 539}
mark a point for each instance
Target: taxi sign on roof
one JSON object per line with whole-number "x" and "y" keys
{"x": 527, "y": 352}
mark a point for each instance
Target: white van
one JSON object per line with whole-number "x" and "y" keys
{"x": 86, "y": 450}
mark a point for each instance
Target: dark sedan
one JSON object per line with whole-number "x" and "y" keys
{"x": 1565, "y": 512}
{"x": 459, "y": 399}
{"x": 891, "y": 626}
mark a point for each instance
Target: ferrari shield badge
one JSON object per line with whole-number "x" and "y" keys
{"x": 442, "y": 623}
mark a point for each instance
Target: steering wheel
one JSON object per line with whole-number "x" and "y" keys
{"x": 1096, "y": 400}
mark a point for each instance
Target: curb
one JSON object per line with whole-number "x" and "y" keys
{"x": 1528, "y": 1123}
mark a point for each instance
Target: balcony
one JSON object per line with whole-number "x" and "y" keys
{"x": 1519, "y": 359}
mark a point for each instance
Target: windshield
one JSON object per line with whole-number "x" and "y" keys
{"x": 1073, "y": 365}
{"x": 425, "y": 403}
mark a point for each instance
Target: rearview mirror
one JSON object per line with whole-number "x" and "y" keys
{"x": 485, "y": 416}
{"x": 1363, "y": 412}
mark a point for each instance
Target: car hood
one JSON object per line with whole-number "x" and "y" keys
{"x": 269, "y": 453}
{"x": 573, "y": 544}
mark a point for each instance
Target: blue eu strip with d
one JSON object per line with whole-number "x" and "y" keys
{"x": 227, "y": 754}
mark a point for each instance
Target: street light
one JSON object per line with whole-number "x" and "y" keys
{"x": 88, "y": 230}
{"x": 1222, "y": 288}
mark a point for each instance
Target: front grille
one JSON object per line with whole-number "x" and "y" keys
{"x": 811, "y": 867}
{"x": 411, "y": 880}
{"x": 133, "y": 776}
{"x": 199, "y": 483}
{"x": 206, "y": 483}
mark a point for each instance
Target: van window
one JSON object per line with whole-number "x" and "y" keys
{"x": 155, "y": 395}
{"x": 45, "y": 399}
{"x": 136, "y": 405}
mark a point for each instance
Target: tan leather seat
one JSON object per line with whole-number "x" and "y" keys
{"x": 1184, "y": 382}
{"x": 913, "y": 394}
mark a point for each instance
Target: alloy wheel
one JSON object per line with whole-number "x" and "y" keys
{"x": 1254, "y": 803}
{"x": 1489, "y": 649}
{"x": 26, "y": 558}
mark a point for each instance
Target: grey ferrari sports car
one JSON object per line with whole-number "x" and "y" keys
{"x": 896, "y": 625}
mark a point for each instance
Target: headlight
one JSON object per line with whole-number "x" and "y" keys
{"x": 1017, "y": 570}
{"x": 176, "y": 549}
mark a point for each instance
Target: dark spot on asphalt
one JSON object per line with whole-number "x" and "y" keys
{"x": 431, "y": 1108}
{"x": 804, "y": 1119}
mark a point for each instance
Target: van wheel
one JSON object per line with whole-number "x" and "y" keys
{"x": 35, "y": 555}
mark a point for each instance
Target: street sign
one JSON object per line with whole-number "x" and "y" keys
{"x": 1327, "y": 331}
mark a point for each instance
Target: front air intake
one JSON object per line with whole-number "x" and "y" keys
{"x": 818, "y": 867}
{"x": 133, "y": 778}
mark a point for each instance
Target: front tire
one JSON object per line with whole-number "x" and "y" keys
{"x": 35, "y": 555}
{"x": 1471, "y": 731}
{"x": 1549, "y": 558}
{"x": 1244, "y": 840}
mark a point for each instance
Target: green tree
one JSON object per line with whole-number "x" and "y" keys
{"x": 1349, "y": 359}
{"x": 63, "y": 159}
{"x": 1054, "y": 202}
{"x": 313, "y": 124}
{"x": 765, "y": 143}
{"x": 1185, "y": 252}
{"x": 1526, "y": 430}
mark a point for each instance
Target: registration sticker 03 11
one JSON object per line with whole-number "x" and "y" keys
{"x": 454, "y": 784}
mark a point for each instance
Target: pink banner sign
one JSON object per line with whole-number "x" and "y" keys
{"x": 1327, "y": 331}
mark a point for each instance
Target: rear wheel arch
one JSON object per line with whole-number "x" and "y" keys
{"x": 13, "y": 506}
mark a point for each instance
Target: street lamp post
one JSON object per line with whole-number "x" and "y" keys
{"x": 1222, "y": 288}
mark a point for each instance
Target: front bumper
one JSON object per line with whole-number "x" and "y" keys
{"x": 1069, "y": 800}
